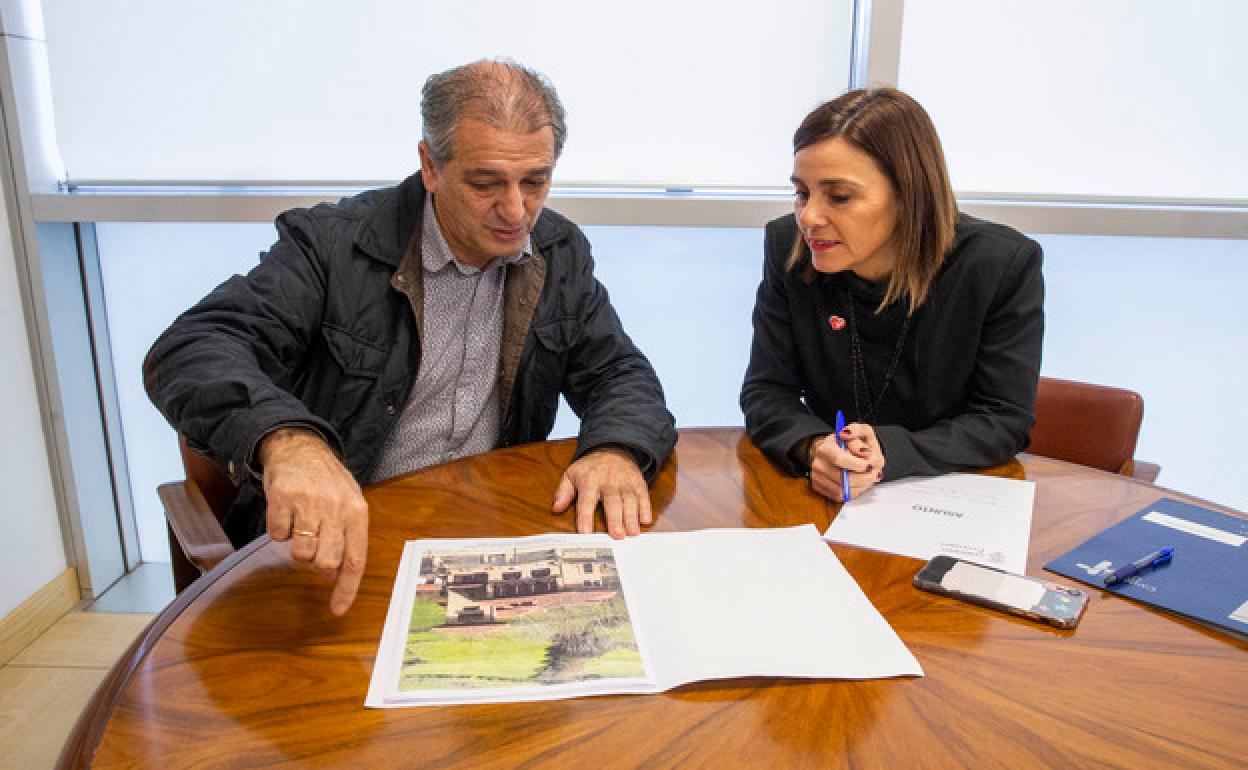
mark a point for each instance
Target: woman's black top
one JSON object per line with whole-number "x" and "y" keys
{"x": 964, "y": 388}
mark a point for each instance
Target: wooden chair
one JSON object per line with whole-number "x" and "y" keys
{"x": 1093, "y": 425}
{"x": 194, "y": 510}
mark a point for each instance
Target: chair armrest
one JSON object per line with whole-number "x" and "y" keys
{"x": 193, "y": 524}
{"x": 1144, "y": 471}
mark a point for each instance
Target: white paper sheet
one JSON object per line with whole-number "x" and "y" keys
{"x": 710, "y": 604}
{"x": 983, "y": 519}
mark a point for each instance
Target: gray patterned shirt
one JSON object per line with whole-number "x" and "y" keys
{"x": 453, "y": 409}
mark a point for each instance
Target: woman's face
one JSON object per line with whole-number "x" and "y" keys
{"x": 846, "y": 209}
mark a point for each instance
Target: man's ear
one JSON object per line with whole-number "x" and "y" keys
{"x": 428, "y": 171}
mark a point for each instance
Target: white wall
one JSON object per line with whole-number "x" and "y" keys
{"x": 31, "y": 551}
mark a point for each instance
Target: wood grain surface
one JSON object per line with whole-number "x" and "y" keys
{"x": 250, "y": 669}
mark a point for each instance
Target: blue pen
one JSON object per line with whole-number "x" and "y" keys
{"x": 840, "y": 426}
{"x": 1154, "y": 559}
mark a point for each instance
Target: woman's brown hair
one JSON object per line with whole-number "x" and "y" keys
{"x": 899, "y": 136}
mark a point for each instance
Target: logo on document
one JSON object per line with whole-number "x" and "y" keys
{"x": 1099, "y": 568}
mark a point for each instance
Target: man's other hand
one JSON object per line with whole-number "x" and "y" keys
{"x": 608, "y": 475}
{"x": 315, "y": 502}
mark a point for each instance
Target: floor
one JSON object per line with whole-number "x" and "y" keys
{"x": 45, "y": 687}
{"x": 147, "y": 589}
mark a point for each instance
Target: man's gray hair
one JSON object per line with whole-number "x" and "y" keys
{"x": 500, "y": 92}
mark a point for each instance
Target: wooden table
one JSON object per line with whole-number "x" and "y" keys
{"x": 249, "y": 668}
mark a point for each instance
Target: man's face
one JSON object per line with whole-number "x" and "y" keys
{"x": 488, "y": 195}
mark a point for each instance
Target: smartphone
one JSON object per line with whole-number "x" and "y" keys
{"x": 1040, "y": 600}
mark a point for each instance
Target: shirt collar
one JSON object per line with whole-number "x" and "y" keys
{"x": 435, "y": 252}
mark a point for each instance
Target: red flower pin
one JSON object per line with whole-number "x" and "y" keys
{"x": 836, "y": 322}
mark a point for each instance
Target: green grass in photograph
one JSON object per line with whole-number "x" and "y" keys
{"x": 621, "y": 635}
{"x": 524, "y": 652}
{"x": 498, "y": 659}
{"x": 426, "y": 613}
{"x": 618, "y": 662}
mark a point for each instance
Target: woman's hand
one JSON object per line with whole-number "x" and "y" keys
{"x": 862, "y": 457}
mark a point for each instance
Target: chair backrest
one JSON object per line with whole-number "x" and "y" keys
{"x": 1093, "y": 425}
{"x": 215, "y": 487}
{"x": 194, "y": 511}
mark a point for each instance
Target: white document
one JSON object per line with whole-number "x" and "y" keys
{"x": 557, "y": 616}
{"x": 983, "y": 519}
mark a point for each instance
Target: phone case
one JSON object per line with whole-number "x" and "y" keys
{"x": 1060, "y": 606}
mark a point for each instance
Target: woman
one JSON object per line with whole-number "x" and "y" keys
{"x": 879, "y": 299}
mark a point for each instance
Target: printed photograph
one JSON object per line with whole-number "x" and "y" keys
{"x": 518, "y": 617}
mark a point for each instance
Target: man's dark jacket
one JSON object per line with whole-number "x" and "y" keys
{"x": 323, "y": 333}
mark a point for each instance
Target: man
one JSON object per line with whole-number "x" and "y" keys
{"x": 412, "y": 325}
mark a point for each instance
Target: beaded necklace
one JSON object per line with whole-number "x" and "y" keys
{"x": 858, "y": 368}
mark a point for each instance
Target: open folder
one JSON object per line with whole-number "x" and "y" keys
{"x": 556, "y": 616}
{"x": 1207, "y": 578}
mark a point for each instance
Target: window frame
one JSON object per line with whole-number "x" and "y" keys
{"x": 875, "y": 55}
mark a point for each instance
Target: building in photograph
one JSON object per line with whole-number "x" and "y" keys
{"x": 470, "y": 580}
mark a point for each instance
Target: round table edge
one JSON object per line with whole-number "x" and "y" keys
{"x": 84, "y": 738}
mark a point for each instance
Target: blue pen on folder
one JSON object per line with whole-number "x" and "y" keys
{"x": 1154, "y": 559}
{"x": 840, "y": 426}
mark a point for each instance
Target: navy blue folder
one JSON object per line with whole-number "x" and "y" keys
{"x": 1207, "y": 580}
